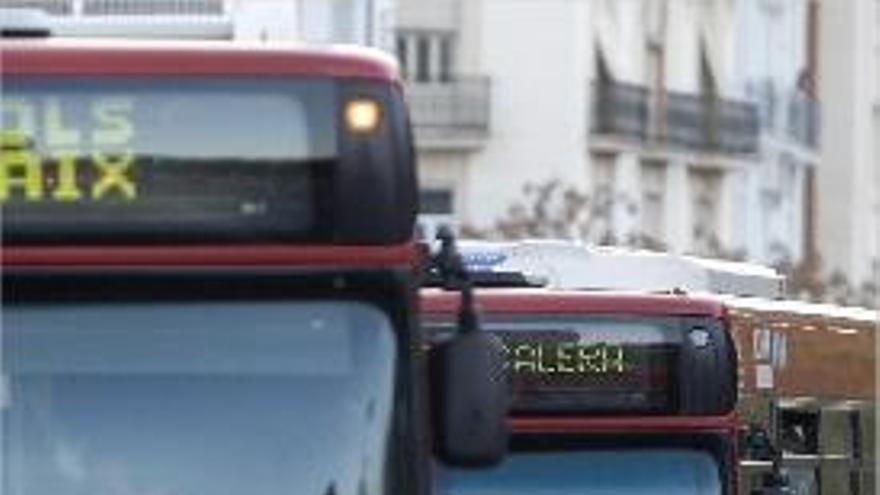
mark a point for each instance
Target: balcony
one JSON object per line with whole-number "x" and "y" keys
{"x": 452, "y": 114}
{"x": 676, "y": 121}
{"x": 199, "y": 19}
{"x": 53, "y": 7}
{"x": 125, "y": 7}
{"x": 621, "y": 110}
{"x": 710, "y": 124}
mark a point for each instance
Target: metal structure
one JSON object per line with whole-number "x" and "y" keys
{"x": 684, "y": 121}
{"x": 450, "y": 111}
{"x": 179, "y": 19}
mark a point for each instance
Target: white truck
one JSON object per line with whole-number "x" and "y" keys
{"x": 571, "y": 265}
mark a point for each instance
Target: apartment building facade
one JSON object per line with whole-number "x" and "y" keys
{"x": 640, "y": 106}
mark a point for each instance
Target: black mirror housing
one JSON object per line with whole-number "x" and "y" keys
{"x": 471, "y": 400}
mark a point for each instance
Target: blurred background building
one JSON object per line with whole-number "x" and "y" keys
{"x": 684, "y": 125}
{"x": 645, "y": 104}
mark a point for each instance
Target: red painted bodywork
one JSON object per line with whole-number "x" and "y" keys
{"x": 696, "y": 424}
{"x": 226, "y": 255}
{"x": 80, "y": 58}
{"x": 542, "y": 301}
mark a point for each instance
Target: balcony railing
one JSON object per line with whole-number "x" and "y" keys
{"x": 621, "y": 109}
{"x": 675, "y": 120}
{"x": 53, "y": 7}
{"x": 450, "y": 112}
{"x": 709, "y": 124}
{"x": 125, "y": 7}
{"x": 171, "y": 19}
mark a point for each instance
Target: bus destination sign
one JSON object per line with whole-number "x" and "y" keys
{"x": 143, "y": 159}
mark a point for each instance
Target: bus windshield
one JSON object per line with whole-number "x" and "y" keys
{"x": 255, "y": 397}
{"x": 598, "y": 472}
{"x": 158, "y": 157}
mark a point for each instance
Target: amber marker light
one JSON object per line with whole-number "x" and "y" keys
{"x": 363, "y": 115}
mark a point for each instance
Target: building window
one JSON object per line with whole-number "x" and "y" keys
{"x": 436, "y": 201}
{"x": 653, "y": 209}
{"x": 433, "y": 58}
{"x": 435, "y": 212}
{"x": 403, "y": 54}
{"x": 445, "y": 59}
{"x": 423, "y": 58}
{"x": 706, "y": 192}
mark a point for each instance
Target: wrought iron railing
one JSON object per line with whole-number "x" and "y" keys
{"x": 53, "y": 7}
{"x": 458, "y": 108}
{"x": 675, "y": 120}
{"x": 124, "y": 7}
{"x": 710, "y": 124}
{"x": 620, "y": 109}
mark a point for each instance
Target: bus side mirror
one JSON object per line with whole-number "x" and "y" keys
{"x": 471, "y": 400}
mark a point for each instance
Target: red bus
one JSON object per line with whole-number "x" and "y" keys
{"x": 806, "y": 406}
{"x": 209, "y": 279}
{"x": 614, "y": 392}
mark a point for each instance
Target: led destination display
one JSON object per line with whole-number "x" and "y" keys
{"x": 595, "y": 366}
{"x": 90, "y": 158}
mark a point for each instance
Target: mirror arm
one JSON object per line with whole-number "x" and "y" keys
{"x": 455, "y": 276}
{"x": 468, "y": 317}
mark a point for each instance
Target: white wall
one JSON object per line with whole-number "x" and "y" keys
{"x": 682, "y": 52}
{"x": 847, "y": 224}
{"x": 433, "y": 14}
{"x": 267, "y": 20}
{"x": 772, "y": 41}
{"x": 538, "y": 56}
{"x": 717, "y": 29}
{"x": 364, "y": 22}
{"x": 619, "y": 29}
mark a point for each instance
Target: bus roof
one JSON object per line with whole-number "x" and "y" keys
{"x": 543, "y": 301}
{"x": 154, "y": 57}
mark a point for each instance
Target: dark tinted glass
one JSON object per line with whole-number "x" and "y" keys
{"x": 153, "y": 158}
